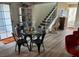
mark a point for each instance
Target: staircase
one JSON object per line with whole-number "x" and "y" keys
{"x": 50, "y": 19}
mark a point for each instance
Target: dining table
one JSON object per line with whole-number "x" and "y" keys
{"x": 32, "y": 35}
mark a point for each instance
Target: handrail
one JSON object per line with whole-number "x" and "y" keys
{"x": 50, "y": 22}
{"x": 51, "y": 14}
{"x": 53, "y": 22}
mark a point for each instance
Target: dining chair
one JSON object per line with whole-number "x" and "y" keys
{"x": 19, "y": 42}
{"x": 71, "y": 42}
{"x": 39, "y": 41}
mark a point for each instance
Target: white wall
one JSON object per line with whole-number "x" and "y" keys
{"x": 15, "y": 12}
{"x": 77, "y": 17}
{"x": 14, "y": 8}
{"x": 40, "y": 11}
{"x": 65, "y": 6}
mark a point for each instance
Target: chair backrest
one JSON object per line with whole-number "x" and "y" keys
{"x": 71, "y": 41}
{"x": 78, "y": 29}
{"x": 43, "y": 35}
{"x": 38, "y": 36}
{"x": 15, "y": 36}
{"x": 76, "y": 33}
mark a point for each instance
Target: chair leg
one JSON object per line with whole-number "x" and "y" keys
{"x": 28, "y": 46}
{"x": 38, "y": 45}
{"x": 15, "y": 47}
{"x": 19, "y": 48}
{"x": 30, "y": 43}
{"x": 43, "y": 47}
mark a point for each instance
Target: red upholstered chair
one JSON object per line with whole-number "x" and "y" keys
{"x": 78, "y": 29}
{"x": 76, "y": 33}
{"x": 71, "y": 42}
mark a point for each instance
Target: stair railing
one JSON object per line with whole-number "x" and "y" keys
{"x": 50, "y": 19}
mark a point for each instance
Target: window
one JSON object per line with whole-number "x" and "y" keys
{"x": 5, "y": 21}
{"x": 71, "y": 17}
{"x": 20, "y": 14}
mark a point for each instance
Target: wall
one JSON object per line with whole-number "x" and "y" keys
{"x": 61, "y": 6}
{"x": 65, "y": 6}
{"x": 14, "y": 13}
{"x": 40, "y": 11}
{"x": 77, "y": 17}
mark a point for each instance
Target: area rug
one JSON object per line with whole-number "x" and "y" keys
{"x": 7, "y": 40}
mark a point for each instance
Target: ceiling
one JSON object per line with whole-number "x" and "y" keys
{"x": 72, "y": 2}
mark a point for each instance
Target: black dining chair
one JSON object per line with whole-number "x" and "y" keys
{"x": 39, "y": 41}
{"x": 19, "y": 42}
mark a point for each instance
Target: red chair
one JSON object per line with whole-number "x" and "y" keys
{"x": 76, "y": 33}
{"x": 71, "y": 42}
{"x": 78, "y": 29}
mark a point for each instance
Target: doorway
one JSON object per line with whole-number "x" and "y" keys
{"x": 71, "y": 17}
